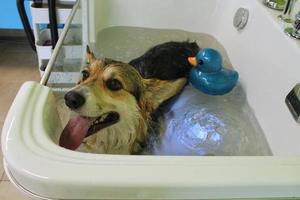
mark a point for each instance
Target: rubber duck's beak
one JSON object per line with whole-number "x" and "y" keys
{"x": 192, "y": 61}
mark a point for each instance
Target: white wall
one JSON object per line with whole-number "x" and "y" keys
{"x": 184, "y": 14}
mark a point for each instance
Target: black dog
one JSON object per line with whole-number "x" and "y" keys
{"x": 167, "y": 61}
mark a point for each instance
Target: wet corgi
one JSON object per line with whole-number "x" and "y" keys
{"x": 115, "y": 100}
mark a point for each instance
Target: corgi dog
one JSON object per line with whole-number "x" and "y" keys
{"x": 115, "y": 100}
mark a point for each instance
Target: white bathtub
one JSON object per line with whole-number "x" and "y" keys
{"x": 268, "y": 63}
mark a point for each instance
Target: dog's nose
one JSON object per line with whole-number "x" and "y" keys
{"x": 74, "y": 100}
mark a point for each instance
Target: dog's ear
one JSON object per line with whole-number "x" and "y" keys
{"x": 90, "y": 58}
{"x": 157, "y": 91}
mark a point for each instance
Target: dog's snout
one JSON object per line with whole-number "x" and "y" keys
{"x": 74, "y": 100}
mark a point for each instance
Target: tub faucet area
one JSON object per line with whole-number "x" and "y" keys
{"x": 290, "y": 15}
{"x": 275, "y": 4}
{"x": 294, "y": 31}
{"x": 287, "y": 11}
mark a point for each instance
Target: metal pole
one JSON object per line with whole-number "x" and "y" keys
{"x": 53, "y": 22}
{"x": 25, "y": 22}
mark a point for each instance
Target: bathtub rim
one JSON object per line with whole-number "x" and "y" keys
{"x": 13, "y": 180}
{"x": 273, "y": 173}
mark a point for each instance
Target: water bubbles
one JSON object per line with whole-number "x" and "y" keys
{"x": 198, "y": 124}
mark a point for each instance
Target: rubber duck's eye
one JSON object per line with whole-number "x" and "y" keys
{"x": 201, "y": 62}
{"x": 114, "y": 84}
{"x": 85, "y": 74}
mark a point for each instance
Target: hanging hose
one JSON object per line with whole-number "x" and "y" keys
{"x": 53, "y": 22}
{"x": 26, "y": 25}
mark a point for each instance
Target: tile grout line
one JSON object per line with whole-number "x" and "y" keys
{"x": 2, "y": 176}
{"x": 1, "y": 181}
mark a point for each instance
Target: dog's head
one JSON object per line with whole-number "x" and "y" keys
{"x": 112, "y": 94}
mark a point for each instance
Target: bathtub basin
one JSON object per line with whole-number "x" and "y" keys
{"x": 268, "y": 64}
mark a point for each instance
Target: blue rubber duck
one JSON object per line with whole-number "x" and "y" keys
{"x": 209, "y": 75}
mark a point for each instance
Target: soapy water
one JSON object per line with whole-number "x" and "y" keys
{"x": 193, "y": 123}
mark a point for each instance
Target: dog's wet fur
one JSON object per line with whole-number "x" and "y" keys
{"x": 167, "y": 61}
{"x": 135, "y": 91}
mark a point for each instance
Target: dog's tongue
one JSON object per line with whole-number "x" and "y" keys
{"x": 74, "y": 133}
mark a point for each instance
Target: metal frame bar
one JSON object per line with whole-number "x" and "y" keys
{"x": 25, "y": 22}
{"x": 53, "y": 22}
{"x": 58, "y": 45}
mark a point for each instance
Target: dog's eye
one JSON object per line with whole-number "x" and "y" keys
{"x": 85, "y": 75}
{"x": 113, "y": 84}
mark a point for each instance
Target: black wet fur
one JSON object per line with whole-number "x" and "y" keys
{"x": 167, "y": 61}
